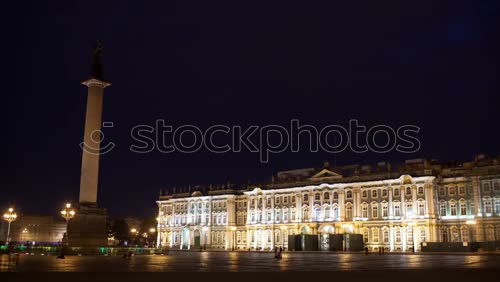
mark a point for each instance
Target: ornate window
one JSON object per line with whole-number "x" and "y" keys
{"x": 385, "y": 235}
{"x": 421, "y": 208}
{"x": 364, "y": 211}
{"x": 317, "y": 197}
{"x": 487, "y": 205}
{"x": 305, "y": 214}
{"x": 348, "y": 194}
{"x": 335, "y": 212}
{"x": 442, "y": 208}
{"x": 384, "y": 192}
{"x": 326, "y": 196}
{"x": 396, "y": 192}
{"x": 375, "y": 235}
{"x": 335, "y": 195}
{"x": 409, "y": 209}
{"x": 409, "y": 235}
{"x": 317, "y": 213}
{"x": 486, "y": 187}
{"x": 455, "y": 237}
{"x": 385, "y": 210}
{"x": 348, "y": 212}
{"x": 366, "y": 235}
{"x": 452, "y": 190}
{"x": 397, "y": 209}
{"x": 397, "y": 236}
{"x": 364, "y": 194}
{"x": 374, "y": 210}
{"x": 453, "y": 208}
{"x": 464, "y": 233}
{"x": 461, "y": 190}
{"x": 420, "y": 190}
{"x": 423, "y": 237}
{"x": 374, "y": 193}
{"x": 306, "y": 198}
{"x": 408, "y": 191}
{"x": 496, "y": 186}
{"x": 441, "y": 191}
{"x": 463, "y": 207}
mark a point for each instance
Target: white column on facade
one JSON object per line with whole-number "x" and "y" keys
{"x": 414, "y": 199}
{"x": 249, "y": 201}
{"x": 390, "y": 206}
{"x": 341, "y": 204}
{"x": 403, "y": 237}
{"x": 391, "y": 237}
{"x": 272, "y": 238}
{"x": 429, "y": 200}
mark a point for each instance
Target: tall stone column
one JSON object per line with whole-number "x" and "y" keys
{"x": 88, "y": 228}
{"x": 91, "y": 144}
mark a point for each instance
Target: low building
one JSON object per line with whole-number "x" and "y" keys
{"x": 38, "y": 229}
{"x": 394, "y": 206}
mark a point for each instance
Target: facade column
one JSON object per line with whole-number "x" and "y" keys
{"x": 341, "y": 204}
{"x": 429, "y": 200}
{"x": 414, "y": 199}
{"x": 390, "y": 206}
{"x": 391, "y": 237}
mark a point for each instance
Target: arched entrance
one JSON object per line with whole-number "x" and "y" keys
{"x": 185, "y": 238}
{"x": 305, "y": 230}
{"x": 444, "y": 235}
{"x": 197, "y": 240}
{"x": 324, "y": 238}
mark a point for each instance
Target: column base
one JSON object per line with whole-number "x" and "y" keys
{"x": 88, "y": 227}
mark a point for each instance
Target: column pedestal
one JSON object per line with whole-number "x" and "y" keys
{"x": 88, "y": 228}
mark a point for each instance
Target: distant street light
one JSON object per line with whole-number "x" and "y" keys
{"x": 68, "y": 213}
{"x": 9, "y": 216}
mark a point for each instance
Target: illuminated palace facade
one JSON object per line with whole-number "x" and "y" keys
{"x": 396, "y": 207}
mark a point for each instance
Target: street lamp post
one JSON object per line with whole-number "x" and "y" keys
{"x": 152, "y": 231}
{"x": 9, "y": 216}
{"x": 68, "y": 213}
{"x": 134, "y": 232}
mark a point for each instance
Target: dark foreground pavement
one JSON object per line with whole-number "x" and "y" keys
{"x": 256, "y": 267}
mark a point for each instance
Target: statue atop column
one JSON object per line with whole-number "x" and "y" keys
{"x": 96, "y": 62}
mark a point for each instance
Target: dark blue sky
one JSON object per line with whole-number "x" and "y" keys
{"x": 428, "y": 63}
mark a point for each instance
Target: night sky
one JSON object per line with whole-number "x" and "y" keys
{"x": 427, "y": 63}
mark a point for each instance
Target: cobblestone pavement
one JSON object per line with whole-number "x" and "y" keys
{"x": 235, "y": 262}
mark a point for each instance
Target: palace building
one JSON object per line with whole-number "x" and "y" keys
{"x": 398, "y": 207}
